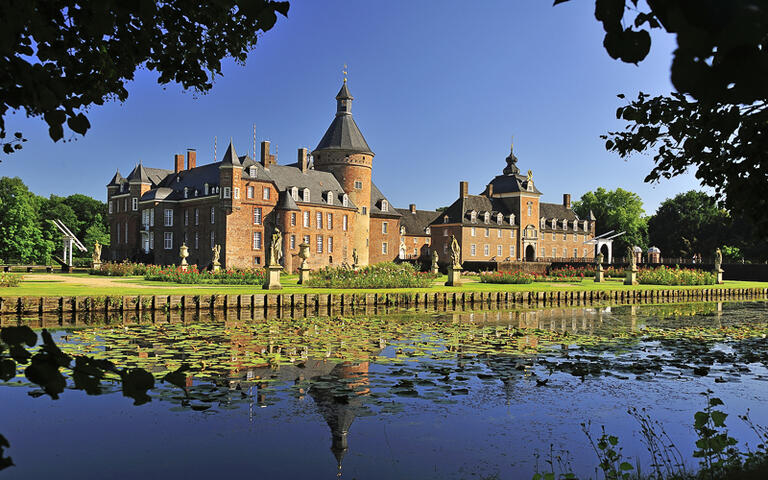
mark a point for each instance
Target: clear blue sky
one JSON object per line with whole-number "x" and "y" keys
{"x": 439, "y": 89}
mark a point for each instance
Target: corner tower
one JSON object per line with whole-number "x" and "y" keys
{"x": 344, "y": 152}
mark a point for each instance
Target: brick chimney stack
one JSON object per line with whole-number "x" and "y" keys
{"x": 303, "y": 160}
{"x": 463, "y": 189}
{"x": 567, "y": 200}
{"x": 191, "y": 158}
{"x": 413, "y": 208}
{"x": 178, "y": 163}
{"x": 266, "y": 158}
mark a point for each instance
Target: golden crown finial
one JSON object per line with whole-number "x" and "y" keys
{"x": 344, "y": 71}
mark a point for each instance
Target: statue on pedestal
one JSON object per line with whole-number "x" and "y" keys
{"x": 455, "y": 253}
{"x": 216, "y": 253}
{"x": 599, "y": 273}
{"x": 435, "y": 260}
{"x": 184, "y": 253}
{"x": 304, "y": 267}
{"x": 355, "y": 258}
{"x": 96, "y": 255}
{"x": 276, "y": 249}
{"x": 718, "y": 267}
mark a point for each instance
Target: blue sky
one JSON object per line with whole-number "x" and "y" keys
{"x": 439, "y": 89}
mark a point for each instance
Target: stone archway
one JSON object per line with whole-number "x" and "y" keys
{"x": 530, "y": 253}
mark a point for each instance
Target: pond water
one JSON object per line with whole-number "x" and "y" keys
{"x": 407, "y": 395}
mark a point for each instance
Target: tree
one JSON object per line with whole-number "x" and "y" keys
{"x": 687, "y": 224}
{"x": 21, "y": 238}
{"x": 96, "y": 232}
{"x": 617, "y": 210}
{"x": 59, "y": 57}
{"x": 716, "y": 121}
{"x": 88, "y": 211}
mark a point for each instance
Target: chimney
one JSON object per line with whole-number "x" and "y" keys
{"x": 413, "y": 208}
{"x": 463, "y": 189}
{"x": 191, "y": 158}
{"x": 490, "y": 190}
{"x": 567, "y": 200}
{"x": 266, "y": 158}
{"x": 303, "y": 160}
{"x": 178, "y": 163}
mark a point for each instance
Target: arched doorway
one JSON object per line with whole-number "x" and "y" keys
{"x": 604, "y": 250}
{"x": 530, "y": 253}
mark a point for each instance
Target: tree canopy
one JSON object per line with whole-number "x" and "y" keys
{"x": 618, "y": 210}
{"x": 716, "y": 121}
{"x": 59, "y": 57}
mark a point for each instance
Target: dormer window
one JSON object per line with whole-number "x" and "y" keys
{"x": 486, "y": 217}
{"x": 384, "y": 206}
{"x": 186, "y": 192}
{"x": 329, "y": 198}
{"x": 554, "y": 223}
{"x": 345, "y": 200}
{"x": 472, "y": 216}
{"x": 295, "y": 193}
{"x": 575, "y": 225}
{"x": 252, "y": 171}
{"x": 543, "y": 222}
{"x": 511, "y": 218}
{"x": 584, "y": 225}
{"x": 305, "y": 195}
{"x": 445, "y": 220}
{"x": 529, "y": 185}
{"x": 565, "y": 224}
{"x": 428, "y": 231}
{"x": 499, "y": 218}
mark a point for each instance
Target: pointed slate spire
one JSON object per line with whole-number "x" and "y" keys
{"x": 230, "y": 158}
{"x": 116, "y": 180}
{"x": 139, "y": 175}
{"x": 343, "y": 134}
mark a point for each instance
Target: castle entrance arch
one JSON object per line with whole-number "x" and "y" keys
{"x": 530, "y": 253}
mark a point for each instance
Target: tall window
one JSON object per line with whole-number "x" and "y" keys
{"x": 473, "y": 216}
{"x": 329, "y": 198}
{"x": 330, "y": 244}
{"x": 306, "y": 219}
{"x": 197, "y": 240}
{"x": 554, "y": 251}
{"x": 306, "y": 239}
{"x": 257, "y": 240}
{"x": 512, "y": 251}
{"x": 257, "y": 215}
{"x": 295, "y": 193}
{"x": 293, "y": 219}
{"x": 473, "y": 249}
{"x": 237, "y": 193}
{"x": 575, "y": 238}
{"x": 365, "y": 210}
{"x": 575, "y": 252}
{"x": 197, "y": 216}
{"x": 344, "y": 222}
{"x": 345, "y": 200}
{"x": 168, "y": 240}
{"x": 265, "y": 193}
{"x": 384, "y": 206}
{"x": 168, "y": 217}
{"x": 305, "y": 195}
{"x": 213, "y": 215}
{"x": 319, "y": 220}
{"x": 486, "y": 217}
{"x": 213, "y": 239}
{"x": 329, "y": 221}
{"x": 486, "y": 250}
{"x": 319, "y": 244}
{"x": 384, "y": 247}
{"x": 487, "y": 232}
{"x": 152, "y": 218}
{"x": 110, "y": 207}
{"x": 117, "y": 227}
{"x": 134, "y": 204}
{"x": 498, "y": 250}
{"x": 473, "y": 232}
{"x": 126, "y": 232}
{"x": 530, "y": 208}
{"x": 498, "y": 233}
{"x": 186, "y": 217}
{"x": 384, "y": 226}
{"x": 293, "y": 242}
{"x": 249, "y": 192}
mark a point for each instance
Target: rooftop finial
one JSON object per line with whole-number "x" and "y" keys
{"x": 511, "y": 143}
{"x": 344, "y": 71}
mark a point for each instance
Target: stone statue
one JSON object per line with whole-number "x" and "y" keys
{"x": 530, "y": 176}
{"x": 455, "y": 253}
{"x": 631, "y": 259}
{"x": 355, "y": 258}
{"x": 184, "y": 253}
{"x": 599, "y": 259}
{"x": 216, "y": 251}
{"x": 435, "y": 259}
{"x": 96, "y": 253}
{"x": 276, "y": 248}
{"x": 718, "y": 260}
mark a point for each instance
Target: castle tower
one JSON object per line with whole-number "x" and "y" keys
{"x": 344, "y": 152}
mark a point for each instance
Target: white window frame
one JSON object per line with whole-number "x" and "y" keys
{"x": 384, "y": 227}
{"x": 197, "y": 216}
{"x": 168, "y": 240}
{"x": 329, "y": 221}
{"x": 319, "y": 244}
{"x": 306, "y": 219}
{"x": 237, "y": 193}
{"x": 226, "y": 193}
{"x": 319, "y": 220}
{"x": 329, "y": 244}
{"x": 486, "y": 250}
{"x": 384, "y": 206}
{"x": 384, "y": 248}
{"x": 168, "y": 217}
{"x": 305, "y": 195}
{"x": 472, "y": 232}
{"x": 266, "y": 193}
{"x": 249, "y": 191}
{"x": 473, "y": 250}
{"x": 344, "y": 223}
{"x": 345, "y": 200}
{"x": 256, "y": 242}
{"x": 134, "y": 204}
{"x": 257, "y": 219}
{"x": 213, "y": 215}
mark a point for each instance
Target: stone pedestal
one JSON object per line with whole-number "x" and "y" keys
{"x": 454, "y": 276}
{"x": 631, "y": 277}
{"x": 435, "y": 270}
{"x": 273, "y": 278}
{"x": 216, "y": 267}
{"x": 303, "y": 274}
{"x": 599, "y": 274}
{"x": 719, "y": 275}
{"x": 96, "y": 265}
{"x": 184, "y": 265}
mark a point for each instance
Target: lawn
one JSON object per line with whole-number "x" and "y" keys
{"x": 82, "y": 284}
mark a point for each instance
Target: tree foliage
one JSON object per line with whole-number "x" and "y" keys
{"x": 618, "y": 210}
{"x": 687, "y": 224}
{"x": 716, "y": 121}
{"x": 59, "y": 57}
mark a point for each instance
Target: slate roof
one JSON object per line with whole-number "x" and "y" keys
{"x": 511, "y": 183}
{"x": 142, "y": 174}
{"x": 416, "y": 223}
{"x": 376, "y": 198}
{"x": 558, "y": 211}
{"x": 343, "y": 133}
{"x": 460, "y": 210}
{"x": 116, "y": 180}
{"x": 230, "y": 157}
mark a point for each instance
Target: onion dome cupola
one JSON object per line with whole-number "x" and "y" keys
{"x": 343, "y": 134}
{"x": 511, "y": 168}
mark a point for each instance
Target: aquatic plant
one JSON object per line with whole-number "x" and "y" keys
{"x": 380, "y": 275}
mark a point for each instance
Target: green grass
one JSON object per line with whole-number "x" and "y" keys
{"x": 39, "y": 284}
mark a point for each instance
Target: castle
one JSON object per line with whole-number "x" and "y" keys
{"x": 329, "y": 202}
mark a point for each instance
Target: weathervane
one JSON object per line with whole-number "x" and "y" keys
{"x": 511, "y": 143}
{"x": 344, "y": 71}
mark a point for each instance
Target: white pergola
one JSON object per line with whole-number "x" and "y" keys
{"x": 604, "y": 239}
{"x": 70, "y": 240}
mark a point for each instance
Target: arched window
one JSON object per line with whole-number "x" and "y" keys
{"x": 511, "y": 218}
{"x": 472, "y": 216}
{"x": 345, "y": 200}
{"x": 543, "y": 222}
{"x": 305, "y": 195}
{"x": 530, "y": 208}
{"x": 584, "y": 225}
{"x": 554, "y": 223}
{"x": 294, "y": 193}
{"x": 329, "y": 198}
{"x": 486, "y": 217}
{"x": 575, "y": 226}
{"x": 499, "y": 218}
{"x": 427, "y": 231}
{"x": 384, "y": 206}
{"x": 252, "y": 171}
{"x": 565, "y": 224}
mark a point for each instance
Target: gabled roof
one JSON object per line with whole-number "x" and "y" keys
{"x": 416, "y": 222}
{"x": 460, "y": 211}
{"x": 376, "y": 198}
{"x": 318, "y": 182}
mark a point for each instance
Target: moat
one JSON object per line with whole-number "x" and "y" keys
{"x": 484, "y": 394}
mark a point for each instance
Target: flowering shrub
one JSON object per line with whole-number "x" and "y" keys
{"x": 507, "y": 277}
{"x": 381, "y": 275}
{"x": 8, "y": 280}
{"x": 675, "y": 276}
{"x": 584, "y": 271}
{"x": 193, "y": 275}
{"x": 122, "y": 269}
